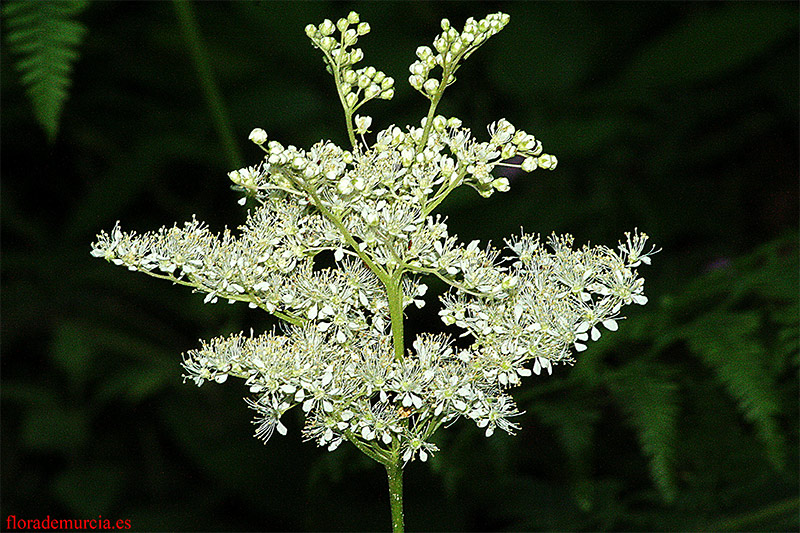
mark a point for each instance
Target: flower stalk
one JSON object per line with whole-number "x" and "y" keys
{"x": 394, "y": 473}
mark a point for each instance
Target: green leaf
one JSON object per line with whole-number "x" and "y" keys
{"x": 729, "y": 344}
{"x": 45, "y": 38}
{"x": 650, "y": 400}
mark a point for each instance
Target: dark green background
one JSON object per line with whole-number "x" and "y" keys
{"x": 680, "y": 119}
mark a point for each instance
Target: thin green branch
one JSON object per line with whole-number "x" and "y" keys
{"x": 377, "y": 269}
{"x": 337, "y": 80}
{"x": 443, "y": 192}
{"x": 249, "y": 298}
{"x": 375, "y": 453}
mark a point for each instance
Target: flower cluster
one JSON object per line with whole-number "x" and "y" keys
{"x": 451, "y": 48}
{"x": 355, "y": 86}
{"x": 337, "y": 243}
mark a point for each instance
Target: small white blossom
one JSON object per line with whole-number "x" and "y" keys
{"x": 258, "y": 136}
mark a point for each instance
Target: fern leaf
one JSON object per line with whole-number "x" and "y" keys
{"x": 650, "y": 401}
{"x": 728, "y": 343}
{"x": 574, "y": 420}
{"x": 45, "y": 38}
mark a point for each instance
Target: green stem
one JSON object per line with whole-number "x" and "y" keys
{"x": 377, "y": 269}
{"x": 337, "y": 80}
{"x": 443, "y": 192}
{"x": 394, "y": 293}
{"x": 216, "y": 106}
{"x": 394, "y": 472}
{"x": 432, "y": 110}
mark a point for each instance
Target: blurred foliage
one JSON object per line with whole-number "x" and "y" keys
{"x": 681, "y": 119}
{"x": 45, "y": 37}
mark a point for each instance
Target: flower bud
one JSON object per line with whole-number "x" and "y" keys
{"x": 445, "y": 24}
{"x": 407, "y": 157}
{"x": 386, "y": 83}
{"x": 342, "y": 25}
{"x": 345, "y": 186}
{"x": 327, "y": 27}
{"x": 508, "y": 151}
{"x": 508, "y": 282}
{"x": 350, "y": 37}
{"x": 528, "y": 143}
{"x": 327, "y": 43}
{"x": 258, "y": 136}
{"x": 418, "y": 68}
{"x": 388, "y": 94}
{"x": 363, "y": 28}
{"x": 353, "y": 18}
{"x": 529, "y": 164}
{"x": 431, "y": 86}
{"x": 351, "y": 100}
{"x": 350, "y": 77}
{"x": 546, "y": 161}
{"x": 356, "y": 56}
{"x": 439, "y": 123}
{"x": 311, "y": 31}
{"x": 416, "y": 81}
{"x": 372, "y": 91}
{"x": 501, "y": 184}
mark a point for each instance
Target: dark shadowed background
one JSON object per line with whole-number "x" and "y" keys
{"x": 680, "y": 119}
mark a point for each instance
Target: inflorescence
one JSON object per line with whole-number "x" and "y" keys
{"x": 371, "y": 207}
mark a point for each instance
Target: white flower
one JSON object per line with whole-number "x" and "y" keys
{"x": 362, "y": 123}
{"x": 258, "y": 136}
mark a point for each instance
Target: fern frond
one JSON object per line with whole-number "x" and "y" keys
{"x": 650, "y": 400}
{"x": 574, "y": 418}
{"x": 728, "y": 343}
{"x": 45, "y": 38}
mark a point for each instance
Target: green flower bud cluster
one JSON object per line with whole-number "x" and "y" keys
{"x": 451, "y": 48}
{"x": 355, "y": 86}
